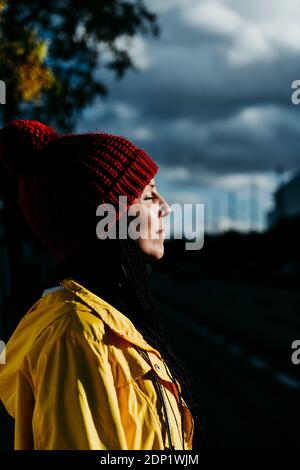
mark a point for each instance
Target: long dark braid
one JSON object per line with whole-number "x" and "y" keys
{"x": 157, "y": 336}
{"x": 116, "y": 271}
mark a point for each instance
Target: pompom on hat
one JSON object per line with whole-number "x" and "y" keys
{"x": 63, "y": 178}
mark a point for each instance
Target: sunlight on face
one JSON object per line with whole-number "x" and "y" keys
{"x": 153, "y": 208}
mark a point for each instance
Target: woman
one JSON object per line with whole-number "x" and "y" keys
{"x": 89, "y": 365}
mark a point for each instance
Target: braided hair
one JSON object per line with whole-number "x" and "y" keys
{"x": 115, "y": 270}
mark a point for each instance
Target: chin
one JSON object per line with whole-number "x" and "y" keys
{"x": 152, "y": 253}
{"x": 158, "y": 253}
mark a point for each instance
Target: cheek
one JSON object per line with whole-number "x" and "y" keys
{"x": 150, "y": 243}
{"x": 149, "y": 222}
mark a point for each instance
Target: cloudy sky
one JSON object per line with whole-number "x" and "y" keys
{"x": 212, "y": 104}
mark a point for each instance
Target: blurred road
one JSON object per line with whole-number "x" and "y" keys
{"x": 236, "y": 339}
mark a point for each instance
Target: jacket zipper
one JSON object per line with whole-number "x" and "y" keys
{"x": 163, "y": 400}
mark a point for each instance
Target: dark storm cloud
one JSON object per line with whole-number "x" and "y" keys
{"x": 209, "y": 98}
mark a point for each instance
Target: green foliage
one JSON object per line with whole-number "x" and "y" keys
{"x": 22, "y": 65}
{"x": 51, "y": 53}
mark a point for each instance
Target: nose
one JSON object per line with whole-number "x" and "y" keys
{"x": 164, "y": 208}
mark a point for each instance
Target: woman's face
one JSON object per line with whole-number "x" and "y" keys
{"x": 152, "y": 208}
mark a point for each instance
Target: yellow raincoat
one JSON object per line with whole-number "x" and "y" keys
{"x": 75, "y": 378}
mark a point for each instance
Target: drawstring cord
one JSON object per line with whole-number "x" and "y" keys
{"x": 160, "y": 391}
{"x": 180, "y": 405}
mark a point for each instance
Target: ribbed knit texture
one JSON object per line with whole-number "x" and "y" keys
{"x": 73, "y": 174}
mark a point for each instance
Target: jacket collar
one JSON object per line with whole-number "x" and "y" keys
{"x": 116, "y": 320}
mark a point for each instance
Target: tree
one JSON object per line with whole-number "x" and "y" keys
{"x": 81, "y": 37}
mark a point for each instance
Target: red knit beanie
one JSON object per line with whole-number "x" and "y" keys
{"x": 63, "y": 179}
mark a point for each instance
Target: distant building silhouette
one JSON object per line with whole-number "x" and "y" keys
{"x": 287, "y": 201}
